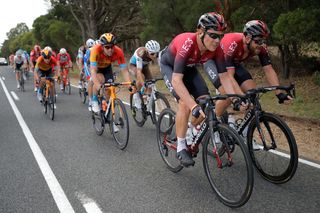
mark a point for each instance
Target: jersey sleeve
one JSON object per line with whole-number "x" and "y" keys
{"x": 121, "y": 60}
{"x": 220, "y": 60}
{"x": 94, "y": 56}
{"x": 264, "y": 57}
{"x": 229, "y": 49}
{"x": 184, "y": 49}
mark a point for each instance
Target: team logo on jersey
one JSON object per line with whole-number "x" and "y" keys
{"x": 232, "y": 48}
{"x": 185, "y": 47}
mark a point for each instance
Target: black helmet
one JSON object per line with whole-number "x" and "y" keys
{"x": 107, "y": 38}
{"x": 256, "y": 28}
{"x": 213, "y": 21}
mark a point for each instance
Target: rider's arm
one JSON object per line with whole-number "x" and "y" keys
{"x": 271, "y": 76}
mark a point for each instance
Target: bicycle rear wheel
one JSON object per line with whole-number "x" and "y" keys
{"x": 278, "y": 161}
{"x": 139, "y": 115}
{"x": 167, "y": 140}
{"x": 68, "y": 88}
{"x": 119, "y": 125}
{"x": 21, "y": 82}
{"x": 158, "y": 105}
{"x": 231, "y": 174}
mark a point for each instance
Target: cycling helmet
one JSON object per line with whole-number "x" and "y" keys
{"x": 63, "y": 51}
{"x": 107, "y": 38}
{"x": 153, "y": 46}
{"x": 213, "y": 21}
{"x": 90, "y": 42}
{"x": 256, "y": 28}
{"x": 48, "y": 48}
{"x": 19, "y": 52}
{"x": 97, "y": 41}
{"x": 46, "y": 53}
{"x": 37, "y": 48}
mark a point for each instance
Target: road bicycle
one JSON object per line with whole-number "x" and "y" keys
{"x": 230, "y": 173}
{"x": 276, "y": 154}
{"x": 83, "y": 91}
{"x": 112, "y": 112}
{"x": 65, "y": 80}
{"x": 21, "y": 79}
{"x": 151, "y": 104}
{"x": 48, "y": 97}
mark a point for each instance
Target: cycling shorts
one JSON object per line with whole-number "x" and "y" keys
{"x": 241, "y": 74}
{"x": 192, "y": 80}
{"x": 47, "y": 73}
{"x": 107, "y": 73}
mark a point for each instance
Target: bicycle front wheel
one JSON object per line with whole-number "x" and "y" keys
{"x": 231, "y": 173}
{"x": 158, "y": 105}
{"x": 277, "y": 161}
{"x": 119, "y": 125}
{"x": 167, "y": 140}
{"x": 51, "y": 104}
{"x": 139, "y": 115}
{"x": 98, "y": 122}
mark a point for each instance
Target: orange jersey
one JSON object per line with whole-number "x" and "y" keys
{"x": 100, "y": 60}
{"x": 42, "y": 65}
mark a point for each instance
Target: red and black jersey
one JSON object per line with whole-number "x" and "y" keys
{"x": 233, "y": 47}
{"x": 183, "y": 51}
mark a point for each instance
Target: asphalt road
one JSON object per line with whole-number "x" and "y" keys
{"x": 87, "y": 173}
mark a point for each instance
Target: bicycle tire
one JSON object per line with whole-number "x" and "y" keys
{"x": 138, "y": 115}
{"x": 164, "y": 103}
{"x": 225, "y": 179}
{"x": 166, "y": 140}
{"x": 51, "y": 104}
{"x": 84, "y": 97}
{"x": 121, "y": 121}
{"x": 98, "y": 122}
{"x": 69, "y": 88}
{"x": 285, "y": 143}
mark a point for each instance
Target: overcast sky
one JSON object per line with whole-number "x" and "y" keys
{"x": 13, "y": 12}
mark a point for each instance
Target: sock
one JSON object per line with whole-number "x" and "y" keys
{"x": 94, "y": 98}
{"x": 181, "y": 144}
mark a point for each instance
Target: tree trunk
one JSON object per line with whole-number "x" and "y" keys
{"x": 83, "y": 33}
{"x": 285, "y": 60}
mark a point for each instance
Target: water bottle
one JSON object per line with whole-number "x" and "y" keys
{"x": 104, "y": 105}
{"x": 232, "y": 121}
{"x": 191, "y": 133}
{"x": 142, "y": 90}
{"x": 137, "y": 100}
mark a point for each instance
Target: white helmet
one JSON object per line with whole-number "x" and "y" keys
{"x": 63, "y": 51}
{"x": 48, "y": 48}
{"x": 153, "y": 46}
{"x": 97, "y": 41}
{"x": 90, "y": 42}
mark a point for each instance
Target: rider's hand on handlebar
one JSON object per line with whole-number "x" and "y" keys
{"x": 197, "y": 115}
{"x": 284, "y": 98}
{"x": 240, "y": 105}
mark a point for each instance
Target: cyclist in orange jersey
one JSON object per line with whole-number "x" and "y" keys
{"x": 44, "y": 69}
{"x": 101, "y": 57}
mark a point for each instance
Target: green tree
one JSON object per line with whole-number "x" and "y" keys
{"x": 18, "y": 30}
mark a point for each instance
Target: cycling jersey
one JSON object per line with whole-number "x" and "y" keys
{"x": 140, "y": 58}
{"x": 81, "y": 52}
{"x": 43, "y": 66}
{"x": 100, "y": 60}
{"x": 63, "y": 59}
{"x": 34, "y": 55}
{"x": 86, "y": 61}
{"x": 20, "y": 60}
{"x": 183, "y": 51}
{"x": 233, "y": 48}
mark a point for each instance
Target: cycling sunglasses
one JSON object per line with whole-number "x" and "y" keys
{"x": 260, "y": 41}
{"x": 108, "y": 46}
{"x": 153, "y": 54}
{"x": 215, "y": 35}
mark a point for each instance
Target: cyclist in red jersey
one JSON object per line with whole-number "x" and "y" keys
{"x": 239, "y": 47}
{"x": 64, "y": 61}
{"x": 177, "y": 65}
{"x": 34, "y": 55}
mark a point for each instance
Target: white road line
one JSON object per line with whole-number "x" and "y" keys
{"x": 90, "y": 205}
{"x": 276, "y": 152}
{"x": 3, "y": 78}
{"x": 57, "y": 192}
{"x": 14, "y": 95}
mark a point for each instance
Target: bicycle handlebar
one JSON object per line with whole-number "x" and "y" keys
{"x": 288, "y": 89}
{"x": 118, "y": 84}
